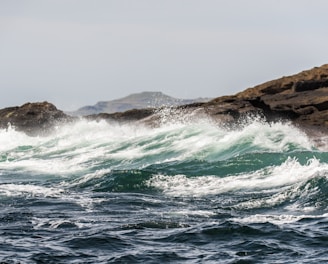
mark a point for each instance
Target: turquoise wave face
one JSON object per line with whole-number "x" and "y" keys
{"x": 88, "y": 143}
{"x": 184, "y": 159}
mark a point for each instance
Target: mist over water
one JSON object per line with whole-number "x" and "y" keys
{"x": 184, "y": 192}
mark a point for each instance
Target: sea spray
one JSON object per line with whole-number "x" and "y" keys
{"x": 187, "y": 190}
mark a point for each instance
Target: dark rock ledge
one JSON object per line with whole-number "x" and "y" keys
{"x": 33, "y": 118}
{"x": 301, "y": 99}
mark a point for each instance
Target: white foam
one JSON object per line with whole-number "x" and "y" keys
{"x": 41, "y": 223}
{"x": 75, "y": 148}
{"x": 287, "y": 174}
{"x": 10, "y": 139}
{"x": 29, "y": 190}
{"x": 90, "y": 176}
{"x": 278, "y": 136}
{"x": 275, "y": 219}
{"x": 188, "y": 213}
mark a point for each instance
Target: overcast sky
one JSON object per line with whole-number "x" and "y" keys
{"x": 77, "y": 52}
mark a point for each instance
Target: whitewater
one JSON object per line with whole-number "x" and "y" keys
{"x": 182, "y": 192}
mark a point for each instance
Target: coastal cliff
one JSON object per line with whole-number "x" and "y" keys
{"x": 301, "y": 99}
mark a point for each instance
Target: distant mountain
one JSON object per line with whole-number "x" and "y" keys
{"x": 134, "y": 101}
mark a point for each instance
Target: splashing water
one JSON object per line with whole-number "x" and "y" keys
{"x": 188, "y": 191}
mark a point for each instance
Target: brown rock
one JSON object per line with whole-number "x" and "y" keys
{"x": 32, "y": 118}
{"x": 301, "y": 98}
{"x": 127, "y": 116}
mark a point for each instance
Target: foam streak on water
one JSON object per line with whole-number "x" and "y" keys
{"x": 185, "y": 192}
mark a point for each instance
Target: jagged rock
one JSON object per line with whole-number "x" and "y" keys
{"x": 32, "y": 118}
{"x": 301, "y": 98}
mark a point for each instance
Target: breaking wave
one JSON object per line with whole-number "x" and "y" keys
{"x": 182, "y": 181}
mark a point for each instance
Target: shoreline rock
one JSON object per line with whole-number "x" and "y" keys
{"x": 301, "y": 98}
{"x": 33, "y": 118}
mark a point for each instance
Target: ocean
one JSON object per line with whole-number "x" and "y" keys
{"x": 183, "y": 192}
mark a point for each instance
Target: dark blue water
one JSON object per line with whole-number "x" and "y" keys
{"x": 182, "y": 193}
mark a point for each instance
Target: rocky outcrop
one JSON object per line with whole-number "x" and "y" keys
{"x": 32, "y": 118}
{"x": 301, "y": 98}
{"x": 127, "y": 116}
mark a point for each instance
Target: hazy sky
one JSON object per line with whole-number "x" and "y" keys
{"x": 77, "y": 52}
